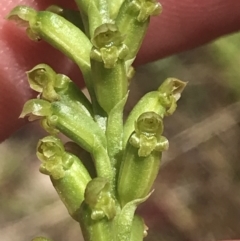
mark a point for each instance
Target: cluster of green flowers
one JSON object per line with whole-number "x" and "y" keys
{"x": 109, "y": 168}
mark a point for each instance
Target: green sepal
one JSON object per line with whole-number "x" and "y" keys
{"x": 162, "y": 101}
{"x": 133, "y": 20}
{"x": 41, "y": 239}
{"x": 94, "y": 230}
{"x": 22, "y": 15}
{"x": 72, "y": 16}
{"x": 56, "y": 30}
{"x": 99, "y": 198}
{"x": 124, "y": 220}
{"x": 141, "y": 159}
{"x": 171, "y": 90}
{"x": 35, "y": 109}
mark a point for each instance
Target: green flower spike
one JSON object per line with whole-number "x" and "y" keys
{"x": 99, "y": 199}
{"x": 142, "y": 157}
{"x": 108, "y": 66}
{"x": 66, "y": 171}
{"x": 133, "y": 20}
{"x": 162, "y": 101}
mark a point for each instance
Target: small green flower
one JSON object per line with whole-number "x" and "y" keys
{"x": 55, "y": 161}
{"x": 133, "y": 20}
{"x": 99, "y": 198}
{"x": 147, "y": 136}
{"x": 68, "y": 174}
{"x": 147, "y": 8}
{"x": 162, "y": 101}
{"x": 108, "y": 66}
{"x": 108, "y": 45}
{"x": 141, "y": 158}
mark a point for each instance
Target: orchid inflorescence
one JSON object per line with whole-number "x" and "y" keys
{"x": 109, "y": 167}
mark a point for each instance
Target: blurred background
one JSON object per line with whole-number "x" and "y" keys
{"x": 197, "y": 192}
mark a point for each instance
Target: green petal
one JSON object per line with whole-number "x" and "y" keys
{"x": 22, "y": 15}
{"x": 107, "y": 35}
{"x": 172, "y": 86}
{"x": 35, "y": 109}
